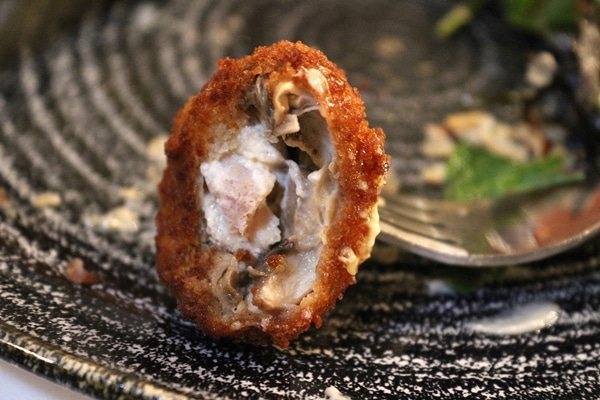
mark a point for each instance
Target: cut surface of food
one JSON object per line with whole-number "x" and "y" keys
{"x": 269, "y": 197}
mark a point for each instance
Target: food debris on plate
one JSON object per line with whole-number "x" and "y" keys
{"x": 76, "y": 272}
{"x": 558, "y": 98}
{"x": 521, "y": 319}
{"x": 47, "y": 199}
{"x": 119, "y": 219}
{"x": 477, "y": 156}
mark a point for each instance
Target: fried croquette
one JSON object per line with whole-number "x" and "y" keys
{"x": 268, "y": 203}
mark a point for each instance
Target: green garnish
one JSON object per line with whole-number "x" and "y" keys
{"x": 541, "y": 16}
{"x": 475, "y": 173}
{"x": 457, "y": 17}
{"x": 536, "y": 16}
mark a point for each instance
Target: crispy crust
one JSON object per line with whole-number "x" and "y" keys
{"x": 185, "y": 261}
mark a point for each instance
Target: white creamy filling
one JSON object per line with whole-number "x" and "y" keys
{"x": 312, "y": 206}
{"x": 246, "y": 170}
{"x": 235, "y": 206}
{"x": 238, "y": 216}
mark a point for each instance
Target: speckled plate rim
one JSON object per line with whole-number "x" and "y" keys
{"x": 73, "y": 372}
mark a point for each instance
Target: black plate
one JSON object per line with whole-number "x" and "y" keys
{"x": 76, "y": 117}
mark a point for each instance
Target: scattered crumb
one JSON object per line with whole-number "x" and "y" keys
{"x": 46, "y": 200}
{"x": 121, "y": 219}
{"x": 332, "y": 393}
{"x": 4, "y": 200}
{"x": 155, "y": 149}
{"x": 75, "y": 272}
{"x": 437, "y": 142}
{"x": 131, "y": 193}
{"x": 156, "y": 155}
{"x": 541, "y": 70}
{"x": 385, "y": 254}
{"x": 6, "y": 205}
{"x": 388, "y": 47}
{"x": 467, "y": 122}
{"x": 435, "y": 174}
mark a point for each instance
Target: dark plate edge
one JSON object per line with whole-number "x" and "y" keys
{"x": 87, "y": 377}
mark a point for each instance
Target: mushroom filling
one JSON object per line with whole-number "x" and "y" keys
{"x": 267, "y": 195}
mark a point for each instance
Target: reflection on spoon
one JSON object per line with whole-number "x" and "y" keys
{"x": 530, "y": 317}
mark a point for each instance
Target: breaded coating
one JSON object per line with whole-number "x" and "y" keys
{"x": 268, "y": 203}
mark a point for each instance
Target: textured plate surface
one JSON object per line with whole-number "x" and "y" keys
{"x": 77, "y": 118}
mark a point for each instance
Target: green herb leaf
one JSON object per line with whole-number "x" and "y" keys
{"x": 542, "y": 16}
{"x": 537, "y": 16}
{"x": 475, "y": 173}
{"x": 457, "y": 17}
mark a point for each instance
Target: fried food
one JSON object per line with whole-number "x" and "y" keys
{"x": 268, "y": 203}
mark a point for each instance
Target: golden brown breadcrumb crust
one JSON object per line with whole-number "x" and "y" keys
{"x": 185, "y": 261}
